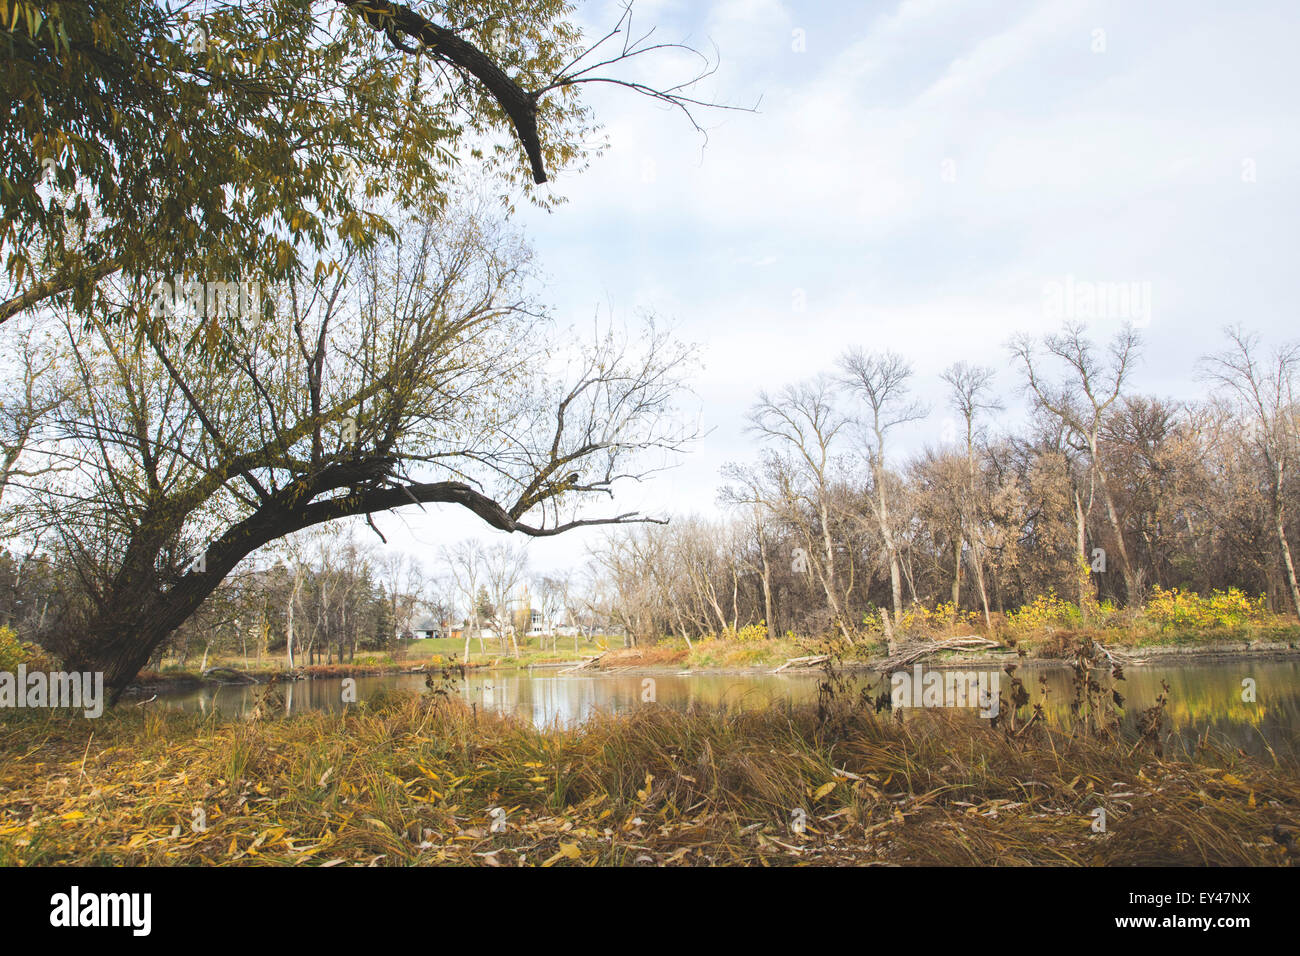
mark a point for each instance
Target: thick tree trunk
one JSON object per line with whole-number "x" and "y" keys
{"x": 141, "y": 610}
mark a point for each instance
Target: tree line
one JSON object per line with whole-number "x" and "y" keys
{"x": 1099, "y": 494}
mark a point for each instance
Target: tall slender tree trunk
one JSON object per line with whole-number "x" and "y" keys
{"x": 978, "y": 564}
{"x": 956, "y": 574}
{"x": 977, "y": 539}
{"x": 1081, "y": 542}
{"x": 828, "y": 577}
{"x": 1279, "y": 526}
{"x": 886, "y": 533}
{"x": 766, "y": 578}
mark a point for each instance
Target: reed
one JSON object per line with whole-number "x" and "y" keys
{"x": 404, "y": 779}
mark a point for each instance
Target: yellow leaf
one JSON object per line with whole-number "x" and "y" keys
{"x": 74, "y": 815}
{"x": 823, "y": 790}
{"x": 570, "y": 850}
{"x": 1234, "y": 781}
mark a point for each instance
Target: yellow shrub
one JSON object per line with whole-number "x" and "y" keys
{"x": 1046, "y": 610}
{"x": 941, "y": 617}
{"x": 1231, "y": 608}
{"x": 748, "y": 633}
{"x": 14, "y": 652}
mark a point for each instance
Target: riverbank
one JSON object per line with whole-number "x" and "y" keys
{"x": 739, "y": 659}
{"x": 729, "y": 658}
{"x": 406, "y": 780}
{"x": 176, "y": 681}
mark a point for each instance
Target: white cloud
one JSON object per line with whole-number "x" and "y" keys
{"x": 1115, "y": 166}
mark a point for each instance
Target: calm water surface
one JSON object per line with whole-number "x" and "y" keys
{"x": 1202, "y": 697}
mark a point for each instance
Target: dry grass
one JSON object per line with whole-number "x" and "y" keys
{"x": 649, "y": 656}
{"x": 406, "y": 780}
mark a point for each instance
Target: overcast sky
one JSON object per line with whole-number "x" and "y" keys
{"x": 917, "y": 176}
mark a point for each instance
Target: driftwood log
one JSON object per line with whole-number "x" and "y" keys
{"x": 1115, "y": 657}
{"x": 584, "y": 664}
{"x": 913, "y": 651}
{"x": 803, "y": 662}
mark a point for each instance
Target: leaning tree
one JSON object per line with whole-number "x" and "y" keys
{"x": 420, "y": 373}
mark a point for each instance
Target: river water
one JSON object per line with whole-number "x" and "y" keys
{"x": 1202, "y": 697}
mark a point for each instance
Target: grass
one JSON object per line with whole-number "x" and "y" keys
{"x": 422, "y": 780}
{"x": 432, "y": 651}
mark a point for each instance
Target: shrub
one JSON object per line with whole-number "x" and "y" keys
{"x": 14, "y": 652}
{"x": 1187, "y": 609}
{"x": 1046, "y": 610}
{"x": 943, "y": 617}
{"x": 748, "y": 633}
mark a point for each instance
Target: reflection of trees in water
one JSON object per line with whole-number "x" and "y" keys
{"x": 1202, "y": 697}
{"x": 1207, "y": 698}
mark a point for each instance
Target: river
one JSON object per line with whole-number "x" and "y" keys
{"x": 1202, "y": 697}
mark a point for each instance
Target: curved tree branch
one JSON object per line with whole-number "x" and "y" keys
{"x": 521, "y": 106}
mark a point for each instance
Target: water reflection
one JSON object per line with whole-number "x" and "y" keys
{"x": 1202, "y": 697}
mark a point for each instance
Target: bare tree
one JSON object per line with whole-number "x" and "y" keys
{"x": 802, "y": 422}
{"x": 553, "y": 595}
{"x": 404, "y": 581}
{"x": 1264, "y": 388}
{"x": 1080, "y": 400}
{"x": 465, "y": 564}
{"x": 880, "y": 381}
{"x": 747, "y": 489}
{"x": 504, "y": 567}
{"x": 970, "y": 395}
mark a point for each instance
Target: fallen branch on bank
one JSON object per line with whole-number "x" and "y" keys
{"x": 803, "y": 662}
{"x": 584, "y": 664}
{"x": 1117, "y": 658}
{"x": 915, "y": 650}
